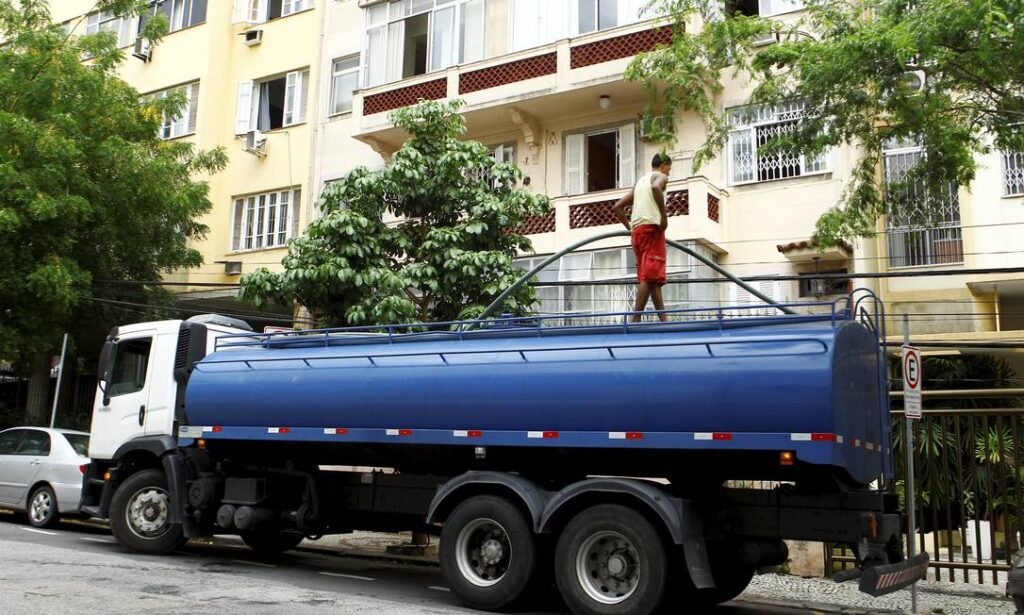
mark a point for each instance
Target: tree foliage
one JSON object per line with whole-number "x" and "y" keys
{"x": 850, "y": 61}
{"x": 88, "y": 191}
{"x": 431, "y": 237}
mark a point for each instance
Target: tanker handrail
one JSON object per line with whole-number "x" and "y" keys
{"x": 609, "y": 348}
{"x": 459, "y": 328}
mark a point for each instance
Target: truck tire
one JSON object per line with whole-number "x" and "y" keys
{"x": 488, "y": 553}
{"x": 42, "y": 507}
{"x": 271, "y": 542}
{"x": 611, "y": 561}
{"x": 140, "y": 515}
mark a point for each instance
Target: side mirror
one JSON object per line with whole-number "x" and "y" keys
{"x": 105, "y": 369}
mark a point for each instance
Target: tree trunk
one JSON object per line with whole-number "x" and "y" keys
{"x": 37, "y": 406}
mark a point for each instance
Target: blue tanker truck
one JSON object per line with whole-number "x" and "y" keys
{"x": 607, "y": 459}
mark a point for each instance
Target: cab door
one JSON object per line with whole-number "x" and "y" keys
{"x": 119, "y": 414}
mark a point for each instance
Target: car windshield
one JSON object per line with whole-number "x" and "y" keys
{"x": 79, "y": 442}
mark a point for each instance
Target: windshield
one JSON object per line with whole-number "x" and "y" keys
{"x": 79, "y": 442}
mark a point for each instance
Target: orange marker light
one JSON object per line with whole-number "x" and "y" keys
{"x": 201, "y": 443}
{"x": 106, "y": 475}
{"x": 786, "y": 458}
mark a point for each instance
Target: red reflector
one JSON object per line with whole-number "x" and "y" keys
{"x": 284, "y": 430}
{"x": 550, "y": 434}
{"x": 405, "y": 432}
{"x": 82, "y": 469}
{"x": 217, "y": 429}
{"x": 341, "y": 431}
{"x": 474, "y": 433}
{"x": 721, "y": 436}
{"x": 823, "y": 437}
{"x": 634, "y": 435}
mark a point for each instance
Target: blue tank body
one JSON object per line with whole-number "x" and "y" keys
{"x": 810, "y": 385}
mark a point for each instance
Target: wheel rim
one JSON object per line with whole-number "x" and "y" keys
{"x": 147, "y": 512}
{"x": 42, "y": 504}
{"x": 483, "y": 552}
{"x": 608, "y": 567}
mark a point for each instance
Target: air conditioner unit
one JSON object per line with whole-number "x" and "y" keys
{"x": 252, "y": 38}
{"x": 256, "y": 143}
{"x": 143, "y": 49}
{"x": 914, "y": 80}
{"x": 768, "y": 38}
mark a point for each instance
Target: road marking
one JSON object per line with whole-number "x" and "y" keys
{"x": 439, "y": 588}
{"x": 107, "y": 541}
{"x": 347, "y": 576}
{"x": 31, "y": 529}
{"x": 248, "y": 563}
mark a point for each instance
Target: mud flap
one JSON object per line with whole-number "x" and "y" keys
{"x": 882, "y": 580}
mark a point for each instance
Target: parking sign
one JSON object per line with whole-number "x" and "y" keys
{"x": 913, "y": 373}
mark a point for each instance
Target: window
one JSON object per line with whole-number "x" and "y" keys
{"x": 1013, "y": 173}
{"x": 764, "y": 8}
{"x": 265, "y": 220}
{"x": 821, "y": 287}
{"x": 272, "y": 103}
{"x": 741, "y": 298}
{"x": 344, "y": 82}
{"x": 259, "y": 11}
{"x": 410, "y": 37}
{"x": 185, "y": 122}
{"x": 131, "y": 360}
{"x": 79, "y": 442}
{"x": 34, "y": 443}
{"x": 923, "y": 228}
{"x": 104, "y": 21}
{"x": 539, "y": 22}
{"x": 180, "y": 14}
{"x": 600, "y": 160}
{"x": 9, "y": 441}
{"x": 752, "y": 129}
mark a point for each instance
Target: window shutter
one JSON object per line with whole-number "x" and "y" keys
{"x": 236, "y": 235}
{"x": 243, "y": 110}
{"x": 574, "y": 164}
{"x": 554, "y": 22}
{"x": 193, "y": 107}
{"x": 296, "y": 200}
{"x": 474, "y": 31}
{"x": 627, "y": 155}
{"x": 290, "y": 97}
{"x": 525, "y": 23}
{"x": 240, "y": 11}
{"x": 303, "y": 95}
{"x": 256, "y": 11}
{"x": 376, "y": 56}
{"x": 396, "y": 47}
{"x": 443, "y": 44}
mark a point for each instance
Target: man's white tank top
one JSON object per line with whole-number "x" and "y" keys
{"x": 645, "y": 210}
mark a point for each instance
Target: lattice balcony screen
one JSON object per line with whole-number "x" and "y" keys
{"x": 1013, "y": 173}
{"x": 924, "y": 229}
{"x": 753, "y": 128}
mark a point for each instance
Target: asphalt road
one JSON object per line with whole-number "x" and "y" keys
{"x": 78, "y": 568}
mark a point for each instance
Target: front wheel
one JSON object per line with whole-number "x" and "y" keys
{"x": 610, "y": 561}
{"x": 140, "y": 513}
{"x": 42, "y": 507}
{"x": 488, "y": 553}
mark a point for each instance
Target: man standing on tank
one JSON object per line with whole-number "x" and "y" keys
{"x": 647, "y": 225}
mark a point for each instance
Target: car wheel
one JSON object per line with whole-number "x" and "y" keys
{"x": 42, "y": 507}
{"x": 140, "y": 514}
{"x": 488, "y": 553}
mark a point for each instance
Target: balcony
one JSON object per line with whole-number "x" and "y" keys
{"x": 695, "y": 207}
{"x": 549, "y": 82}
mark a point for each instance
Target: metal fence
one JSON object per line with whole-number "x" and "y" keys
{"x": 969, "y": 476}
{"x": 78, "y": 388}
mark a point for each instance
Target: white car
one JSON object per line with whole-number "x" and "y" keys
{"x": 41, "y": 472}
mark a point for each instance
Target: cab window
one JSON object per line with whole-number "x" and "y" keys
{"x": 35, "y": 443}
{"x": 131, "y": 360}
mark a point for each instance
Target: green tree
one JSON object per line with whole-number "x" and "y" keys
{"x": 88, "y": 191}
{"x": 446, "y": 252}
{"x": 851, "y": 62}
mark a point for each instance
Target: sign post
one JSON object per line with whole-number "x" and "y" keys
{"x": 913, "y": 374}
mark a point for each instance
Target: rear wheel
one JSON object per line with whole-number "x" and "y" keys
{"x": 610, "y": 561}
{"x": 271, "y": 542}
{"x": 42, "y": 507}
{"x": 140, "y": 514}
{"x": 488, "y": 553}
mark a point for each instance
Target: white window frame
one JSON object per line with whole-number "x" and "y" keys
{"x": 745, "y": 123}
{"x": 185, "y": 123}
{"x": 103, "y": 21}
{"x": 771, "y": 8}
{"x": 1012, "y": 162}
{"x": 627, "y": 146}
{"x": 336, "y": 73}
{"x": 258, "y": 11}
{"x": 176, "y": 13}
{"x": 533, "y": 23}
{"x": 247, "y": 103}
{"x": 257, "y": 220}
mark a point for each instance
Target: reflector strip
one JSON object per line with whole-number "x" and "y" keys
{"x": 800, "y": 437}
{"x": 335, "y": 431}
{"x": 398, "y": 432}
{"x": 703, "y": 436}
{"x": 217, "y": 429}
{"x": 839, "y": 439}
{"x": 469, "y": 433}
{"x": 625, "y": 435}
{"x": 869, "y": 446}
{"x": 823, "y": 437}
{"x": 205, "y": 429}
{"x": 856, "y": 442}
{"x": 279, "y": 430}
{"x": 546, "y": 435}
{"x": 721, "y": 436}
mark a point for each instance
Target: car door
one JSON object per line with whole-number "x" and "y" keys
{"x": 120, "y": 413}
{"x": 9, "y": 441}
{"x": 26, "y": 462}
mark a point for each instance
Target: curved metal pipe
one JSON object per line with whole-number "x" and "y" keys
{"x": 675, "y": 244}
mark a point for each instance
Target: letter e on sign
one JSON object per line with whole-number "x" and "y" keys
{"x": 913, "y": 374}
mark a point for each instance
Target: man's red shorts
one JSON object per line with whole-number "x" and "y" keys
{"x": 649, "y": 247}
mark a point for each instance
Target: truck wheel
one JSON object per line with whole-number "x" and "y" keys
{"x": 140, "y": 515}
{"x": 610, "y": 561}
{"x": 42, "y": 507}
{"x": 271, "y": 542}
{"x": 488, "y": 553}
